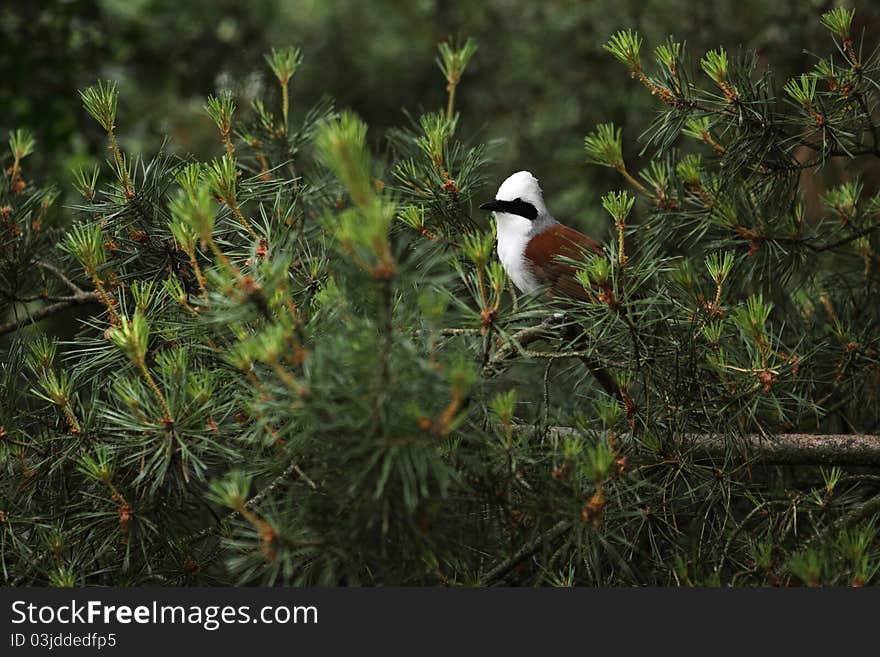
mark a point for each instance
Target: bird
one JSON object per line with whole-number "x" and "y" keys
{"x": 532, "y": 245}
{"x": 535, "y": 250}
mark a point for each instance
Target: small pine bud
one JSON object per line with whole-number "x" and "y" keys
{"x": 625, "y": 46}
{"x": 478, "y": 247}
{"x": 604, "y": 146}
{"x": 341, "y": 145}
{"x": 802, "y": 90}
{"x": 713, "y": 332}
{"x": 596, "y": 272}
{"x": 195, "y": 211}
{"x": 21, "y": 143}
{"x": 264, "y": 116}
{"x": 413, "y": 216}
{"x": 657, "y": 177}
{"x": 714, "y": 64}
{"x": 862, "y": 246}
{"x": 843, "y": 200}
{"x": 222, "y": 178}
{"x": 762, "y": 554}
{"x": 132, "y": 337}
{"x": 667, "y": 54}
{"x": 496, "y": 276}
{"x": 86, "y": 182}
{"x": 807, "y": 566}
{"x": 62, "y": 577}
{"x": 143, "y": 293}
{"x": 123, "y": 168}
{"x": 618, "y": 205}
{"x": 174, "y": 289}
{"x": 189, "y": 177}
{"x": 232, "y": 490}
{"x": 436, "y": 131}
{"x": 689, "y": 169}
{"x": 623, "y": 379}
{"x": 270, "y": 344}
{"x": 600, "y": 457}
{"x": 54, "y": 387}
{"x": 609, "y": 412}
{"x": 724, "y": 212}
{"x": 184, "y": 234}
{"x": 503, "y": 405}
{"x": 719, "y": 266}
{"x": 752, "y": 318}
{"x": 684, "y": 274}
{"x": 98, "y": 466}
{"x": 697, "y": 128}
{"x": 453, "y": 59}
{"x": 461, "y": 377}
{"x": 838, "y": 21}
{"x": 42, "y": 355}
{"x": 100, "y": 102}
{"x": 220, "y": 109}
{"x": 572, "y": 448}
{"x": 284, "y": 62}
{"x": 86, "y": 244}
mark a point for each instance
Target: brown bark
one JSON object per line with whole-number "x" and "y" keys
{"x": 778, "y": 449}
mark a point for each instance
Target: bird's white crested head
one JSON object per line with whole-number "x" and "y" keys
{"x": 524, "y": 186}
{"x": 518, "y": 203}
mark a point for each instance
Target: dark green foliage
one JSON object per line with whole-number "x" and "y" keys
{"x": 301, "y": 363}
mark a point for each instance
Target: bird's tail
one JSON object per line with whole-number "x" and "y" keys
{"x": 603, "y": 377}
{"x": 578, "y": 336}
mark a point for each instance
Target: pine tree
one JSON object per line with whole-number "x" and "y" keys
{"x": 301, "y": 362}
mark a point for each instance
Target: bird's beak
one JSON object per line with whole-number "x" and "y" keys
{"x": 492, "y": 206}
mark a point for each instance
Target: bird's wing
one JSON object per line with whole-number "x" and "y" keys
{"x": 568, "y": 243}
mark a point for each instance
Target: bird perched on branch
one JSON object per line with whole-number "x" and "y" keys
{"x": 534, "y": 248}
{"x": 532, "y": 245}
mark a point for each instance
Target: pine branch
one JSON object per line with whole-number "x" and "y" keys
{"x": 61, "y": 275}
{"x": 497, "y": 572}
{"x": 515, "y": 344}
{"x": 253, "y": 502}
{"x": 775, "y": 449}
{"x": 46, "y": 311}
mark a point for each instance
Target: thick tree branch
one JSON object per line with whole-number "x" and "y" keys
{"x": 35, "y": 316}
{"x": 779, "y": 449}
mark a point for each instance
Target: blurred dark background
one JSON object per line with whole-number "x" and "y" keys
{"x": 540, "y": 79}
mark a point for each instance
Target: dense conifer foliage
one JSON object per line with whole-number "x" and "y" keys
{"x": 300, "y": 362}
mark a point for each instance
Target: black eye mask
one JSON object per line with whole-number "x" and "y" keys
{"x": 517, "y": 206}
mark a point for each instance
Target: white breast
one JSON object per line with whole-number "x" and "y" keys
{"x": 513, "y": 236}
